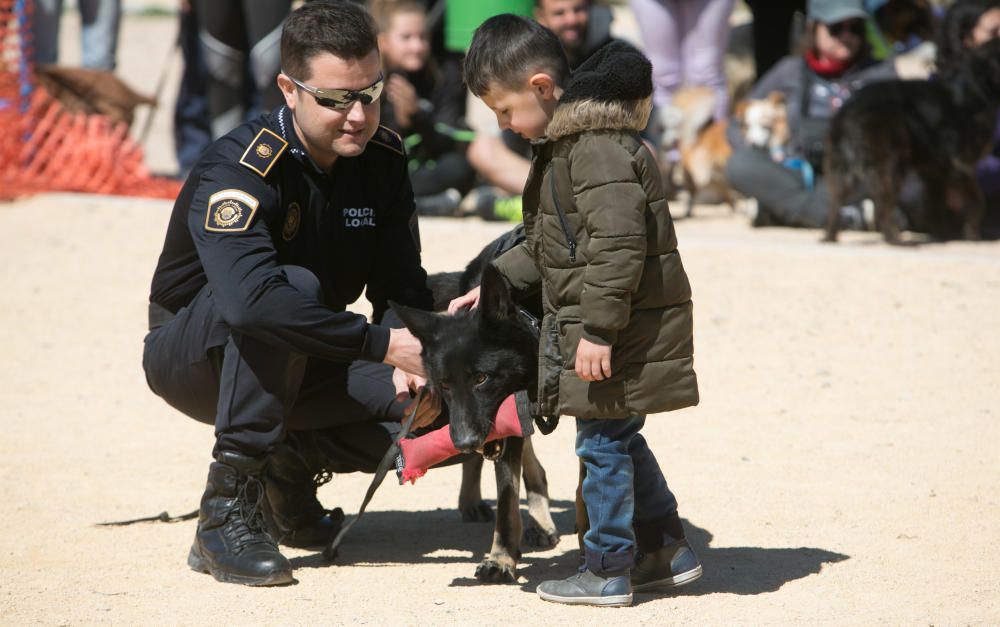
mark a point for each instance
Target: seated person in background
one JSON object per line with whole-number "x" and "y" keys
{"x": 835, "y": 62}
{"x": 966, "y": 25}
{"x": 904, "y": 30}
{"x": 502, "y": 159}
{"x": 426, "y": 107}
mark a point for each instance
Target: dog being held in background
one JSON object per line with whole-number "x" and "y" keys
{"x": 764, "y": 124}
{"x": 937, "y": 130}
{"x": 701, "y": 142}
{"x": 474, "y": 360}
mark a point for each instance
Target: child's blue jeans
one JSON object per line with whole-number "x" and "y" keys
{"x": 623, "y": 485}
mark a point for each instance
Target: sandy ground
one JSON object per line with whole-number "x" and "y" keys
{"x": 842, "y": 467}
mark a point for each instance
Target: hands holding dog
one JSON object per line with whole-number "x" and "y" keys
{"x": 407, "y": 385}
{"x": 409, "y": 376}
{"x": 470, "y": 299}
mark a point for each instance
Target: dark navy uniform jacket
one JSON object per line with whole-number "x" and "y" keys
{"x": 256, "y": 202}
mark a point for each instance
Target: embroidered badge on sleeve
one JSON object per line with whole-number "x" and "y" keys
{"x": 230, "y": 210}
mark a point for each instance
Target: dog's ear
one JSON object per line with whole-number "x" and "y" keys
{"x": 495, "y": 300}
{"x": 422, "y": 324}
{"x": 776, "y": 97}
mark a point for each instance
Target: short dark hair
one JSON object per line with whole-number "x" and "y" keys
{"x": 342, "y": 28}
{"x": 507, "y": 49}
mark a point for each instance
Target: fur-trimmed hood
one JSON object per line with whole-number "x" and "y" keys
{"x": 611, "y": 90}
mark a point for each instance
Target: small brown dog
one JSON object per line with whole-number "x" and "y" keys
{"x": 701, "y": 142}
{"x": 91, "y": 91}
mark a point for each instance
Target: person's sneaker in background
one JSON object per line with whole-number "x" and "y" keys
{"x": 587, "y": 588}
{"x": 495, "y": 208}
{"x": 852, "y": 218}
{"x": 445, "y": 203}
{"x": 670, "y": 566}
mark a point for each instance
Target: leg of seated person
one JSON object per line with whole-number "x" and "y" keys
{"x": 498, "y": 164}
{"x": 450, "y": 170}
{"x": 778, "y": 188}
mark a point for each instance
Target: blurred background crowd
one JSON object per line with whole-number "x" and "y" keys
{"x": 744, "y": 90}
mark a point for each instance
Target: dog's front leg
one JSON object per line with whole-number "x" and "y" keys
{"x": 541, "y": 530}
{"x": 501, "y": 564}
{"x": 470, "y": 500}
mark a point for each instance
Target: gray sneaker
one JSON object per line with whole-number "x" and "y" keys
{"x": 668, "y": 567}
{"x": 586, "y": 588}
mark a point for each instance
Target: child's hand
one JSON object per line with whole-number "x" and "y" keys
{"x": 593, "y": 361}
{"x": 469, "y": 299}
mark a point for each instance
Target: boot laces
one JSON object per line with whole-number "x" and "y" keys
{"x": 247, "y": 517}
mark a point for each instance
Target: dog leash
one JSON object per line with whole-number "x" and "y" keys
{"x": 388, "y": 461}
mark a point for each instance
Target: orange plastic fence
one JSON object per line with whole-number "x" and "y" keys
{"x": 43, "y": 147}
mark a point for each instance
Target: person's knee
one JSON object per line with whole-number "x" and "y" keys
{"x": 480, "y": 154}
{"x": 741, "y": 169}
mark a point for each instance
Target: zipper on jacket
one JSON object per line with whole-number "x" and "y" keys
{"x": 562, "y": 218}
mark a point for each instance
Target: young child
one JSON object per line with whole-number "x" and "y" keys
{"x": 617, "y": 333}
{"x": 425, "y": 103}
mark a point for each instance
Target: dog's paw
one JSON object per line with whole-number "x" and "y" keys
{"x": 480, "y": 511}
{"x": 493, "y": 571}
{"x": 535, "y": 536}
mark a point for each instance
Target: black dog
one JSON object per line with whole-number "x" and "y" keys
{"x": 474, "y": 360}
{"x": 937, "y": 130}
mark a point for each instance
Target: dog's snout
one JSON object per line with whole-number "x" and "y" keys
{"x": 467, "y": 443}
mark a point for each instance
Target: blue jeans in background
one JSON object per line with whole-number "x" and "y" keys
{"x": 623, "y": 485}
{"x": 100, "y": 21}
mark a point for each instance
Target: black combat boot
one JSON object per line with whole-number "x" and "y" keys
{"x": 233, "y": 542}
{"x": 294, "y": 471}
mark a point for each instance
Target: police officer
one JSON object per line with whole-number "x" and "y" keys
{"x": 283, "y": 223}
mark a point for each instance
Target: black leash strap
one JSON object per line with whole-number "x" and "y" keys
{"x": 161, "y": 517}
{"x": 388, "y": 461}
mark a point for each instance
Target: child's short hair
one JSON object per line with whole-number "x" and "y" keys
{"x": 384, "y": 10}
{"x": 507, "y": 49}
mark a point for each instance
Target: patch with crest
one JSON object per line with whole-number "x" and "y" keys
{"x": 263, "y": 152}
{"x": 293, "y": 218}
{"x": 230, "y": 210}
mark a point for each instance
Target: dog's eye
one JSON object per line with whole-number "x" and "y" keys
{"x": 481, "y": 378}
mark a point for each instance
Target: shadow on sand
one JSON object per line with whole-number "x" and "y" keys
{"x": 439, "y": 536}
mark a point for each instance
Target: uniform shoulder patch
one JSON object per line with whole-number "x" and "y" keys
{"x": 263, "y": 152}
{"x": 389, "y": 138}
{"x": 230, "y": 211}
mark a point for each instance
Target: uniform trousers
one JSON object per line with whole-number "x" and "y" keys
{"x": 252, "y": 391}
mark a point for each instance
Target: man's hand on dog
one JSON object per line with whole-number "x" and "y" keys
{"x": 404, "y": 352}
{"x": 407, "y": 387}
{"x": 409, "y": 376}
{"x": 593, "y": 361}
{"x": 470, "y": 299}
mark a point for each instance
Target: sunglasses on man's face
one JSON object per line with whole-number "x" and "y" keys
{"x": 341, "y": 99}
{"x": 854, "y": 27}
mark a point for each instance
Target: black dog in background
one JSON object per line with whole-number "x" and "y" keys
{"x": 474, "y": 360}
{"x": 937, "y": 129}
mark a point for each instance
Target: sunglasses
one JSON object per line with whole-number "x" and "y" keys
{"x": 854, "y": 27}
{"x": 340, "y": 99}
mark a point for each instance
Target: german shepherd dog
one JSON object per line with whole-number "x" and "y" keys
{"x": 474, "y": 360}
{"x": 937, "y": 129}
